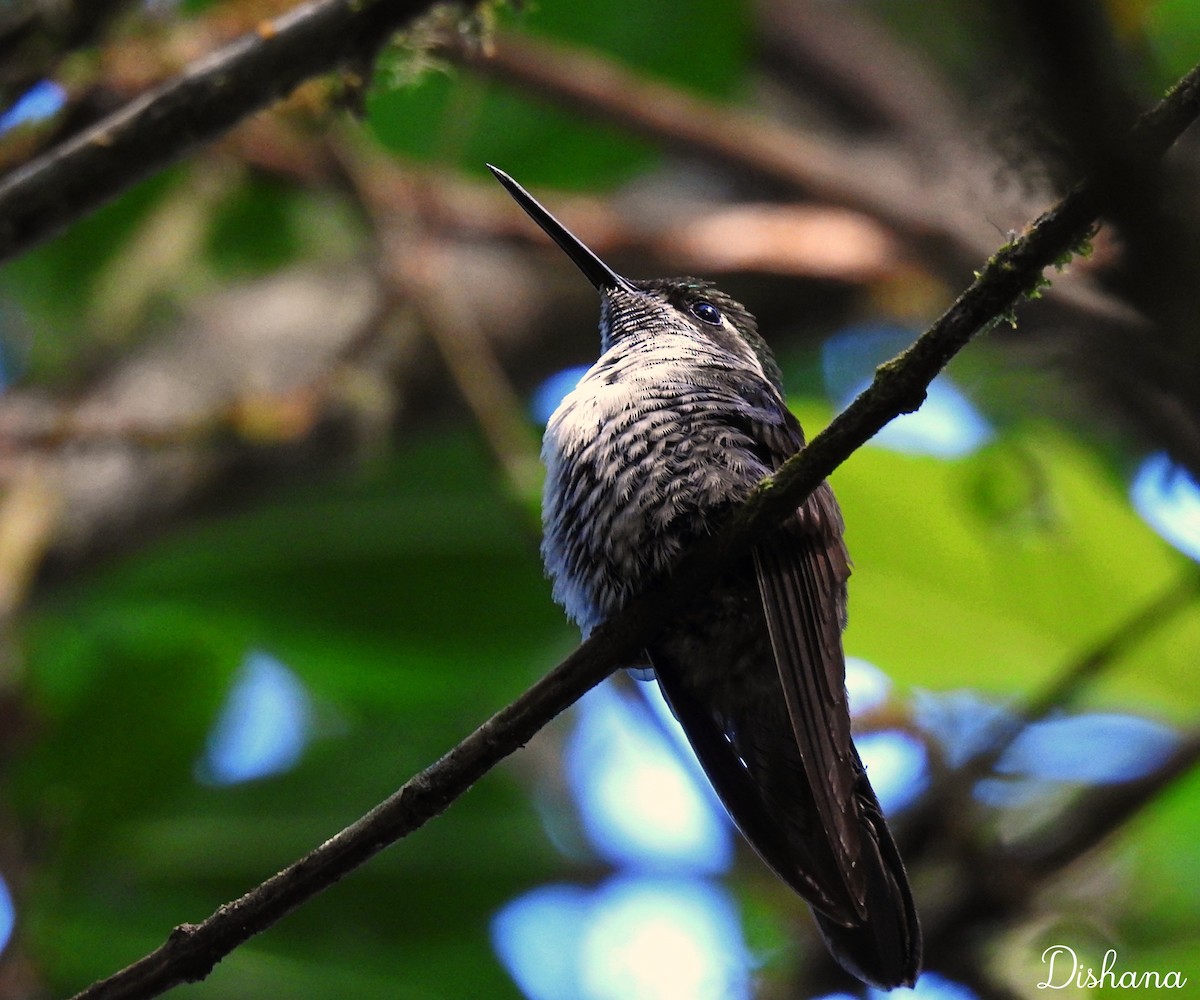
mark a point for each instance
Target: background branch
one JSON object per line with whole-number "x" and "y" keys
{"x": 67, "y": 182}
{"x": 938, "y": 217}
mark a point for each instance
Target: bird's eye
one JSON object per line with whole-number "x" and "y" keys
{"x": 707, "y": 312}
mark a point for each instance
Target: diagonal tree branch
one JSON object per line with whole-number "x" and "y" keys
{"x": 1066, "y": 686}
{"x": 1101, "y": 811}
{"x": 192, "y": 950}
{"x": 1181, "y": 594}
{"x": 154, "y": 130}
{"x": 1007, "y": 878}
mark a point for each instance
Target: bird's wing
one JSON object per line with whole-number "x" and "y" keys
{"x": 776, "y": 741}
{"x": 801, "y": 573}
{"x": 778, "y": 748}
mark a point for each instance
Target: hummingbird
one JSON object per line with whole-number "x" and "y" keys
{"x": 678, "y": 421}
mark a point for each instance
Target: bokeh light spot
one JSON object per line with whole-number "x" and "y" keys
{"x": 8, "y": 915}
{"x": 658, "y": 939}
{"x": 931, "y": 986}
{"x": 552, "y": 391}
{"x": 639, "y": 803}
{"x": 961, "y": 721}
{"x": 263, "y": 726}
{"x": 42, "y": 100}
{"x": 1096, "y": 748}
{"x": 897, "y": 765}
{"x": 850, "y": 356}
{"x": 1168, "y": 499}
{"x": 946, "y": 426}
{"x": 537, "y": 937}
{"x": 867, "y": 687}
{"x": 633, "y": 938}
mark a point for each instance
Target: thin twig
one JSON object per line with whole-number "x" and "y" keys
{"x": 1004, "y": 881}
{"x": 1027, "y": 865}
{"x": 1076, "y": 676}
{"x": 191, "y": 951}
{"x": 1180, "y": 594}
{"x": 1099, "y": 812}
{"x": 414, "y": 266}
{"x": 997, "y": 884}
{"x": 476, "y": 371}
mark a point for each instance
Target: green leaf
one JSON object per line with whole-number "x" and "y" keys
{"x": 999, "y": 570}
{"x": 53, "y": 283}
{"x": 458, "y": 119}
{"x": 412, "y": 606}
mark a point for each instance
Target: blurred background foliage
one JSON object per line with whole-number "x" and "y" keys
{"x": 268, "y": 492}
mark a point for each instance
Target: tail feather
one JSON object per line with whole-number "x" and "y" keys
{"x": 761, "y": 782}
{"x": 885, "y": 948}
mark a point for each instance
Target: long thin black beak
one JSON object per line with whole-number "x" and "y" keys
{"x": 597, "y": 272}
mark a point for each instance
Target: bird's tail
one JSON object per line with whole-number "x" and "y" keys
{"x": 885, "y": 948}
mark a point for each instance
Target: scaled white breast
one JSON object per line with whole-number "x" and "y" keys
{"x": 644, "y": 437}
{"x": 626, "y": 376}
